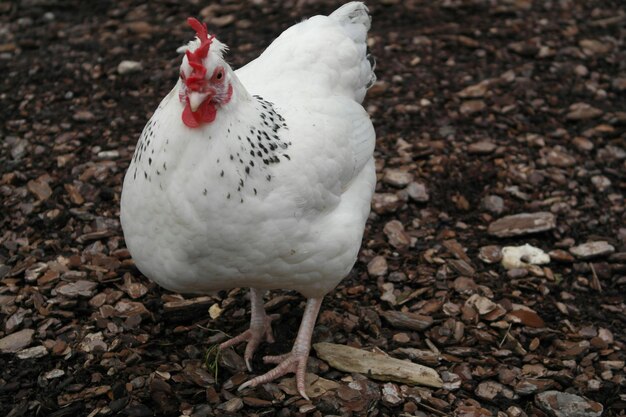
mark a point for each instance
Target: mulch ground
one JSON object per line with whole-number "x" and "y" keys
{"x": 483, "y": 109}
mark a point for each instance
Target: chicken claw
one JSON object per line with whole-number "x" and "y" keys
{"x": 290, "y": 362}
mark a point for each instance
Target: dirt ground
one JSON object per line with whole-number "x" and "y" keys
{"x": 484, "y": 109}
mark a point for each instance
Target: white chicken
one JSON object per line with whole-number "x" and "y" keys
{"x": 260, "y": 177}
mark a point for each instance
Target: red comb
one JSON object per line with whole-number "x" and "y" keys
{"x": 195, "y": 80}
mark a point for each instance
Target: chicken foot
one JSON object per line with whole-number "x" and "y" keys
{"x": 260, "y": 328}
{"x": 296, "y": 360}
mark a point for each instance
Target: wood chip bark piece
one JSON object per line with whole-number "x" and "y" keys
{"x": 377, "y": 267}
{"x": 592, "y": 249}
{"x": 16, "y": 341}
{"x": 398, "y": 238}
{"x": 39, "y": 188}
{"x": 377, "y": 366}
{"x": 81, "y": 287}
{"x": 522, "y": 224}
{"x": 562, "y": 404}
{"x": 527, "y": 317}
{"x": 412, "y": 321}
{"x": 183, "y": 309}
{"x": 85, "y": 394}
{"x": 32, "y": 353}
{"x": 315, "y": 386}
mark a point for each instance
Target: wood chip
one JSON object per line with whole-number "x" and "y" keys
{"x": 377, "y": 366}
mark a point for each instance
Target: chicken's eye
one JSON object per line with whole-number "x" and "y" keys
{"x": 218, "y": 75}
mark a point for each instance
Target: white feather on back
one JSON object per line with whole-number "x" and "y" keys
{"x": 320, "y": 66}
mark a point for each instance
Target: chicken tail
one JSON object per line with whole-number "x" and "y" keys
{"x": 355, "y": 20}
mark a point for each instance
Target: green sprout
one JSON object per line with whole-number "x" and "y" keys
{"x": 211, "y": 359}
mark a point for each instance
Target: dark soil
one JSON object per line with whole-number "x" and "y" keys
{"x": 544, "y": 132}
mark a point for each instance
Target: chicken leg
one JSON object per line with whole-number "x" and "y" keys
{"x": 260, "y": 327}
{"x": 294, "y": 361}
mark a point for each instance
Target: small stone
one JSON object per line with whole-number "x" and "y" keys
{"x": 522, "y": 256}
{"x": 562, "y": 404}
{"x": 522, "y": 224}
{"x": 16, "y": 341}
{"x": 418, "y": 192}
{"x": 397, "y": 178}
{"x": 592, "y": 249}
{"x": 582, "y": 111}
{"x": 377, "y": 267}
{"x": 493, "y": 203}
{"x": 129, "y": 67}
{"x": 481, "y": 148}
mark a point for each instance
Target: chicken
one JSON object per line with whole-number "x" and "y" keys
{"x": 260, "y": 177}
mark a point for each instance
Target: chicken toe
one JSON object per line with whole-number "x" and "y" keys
{"x": 296, "y": 360}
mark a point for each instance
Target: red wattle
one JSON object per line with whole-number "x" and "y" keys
{"x": 206, "y": 113}
{"x": 188, "y": 118}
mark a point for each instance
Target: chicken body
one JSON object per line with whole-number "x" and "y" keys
{"x": 275, "y": 192}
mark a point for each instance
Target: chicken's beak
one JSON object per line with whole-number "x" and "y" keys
{"x": 195, "y": 99}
